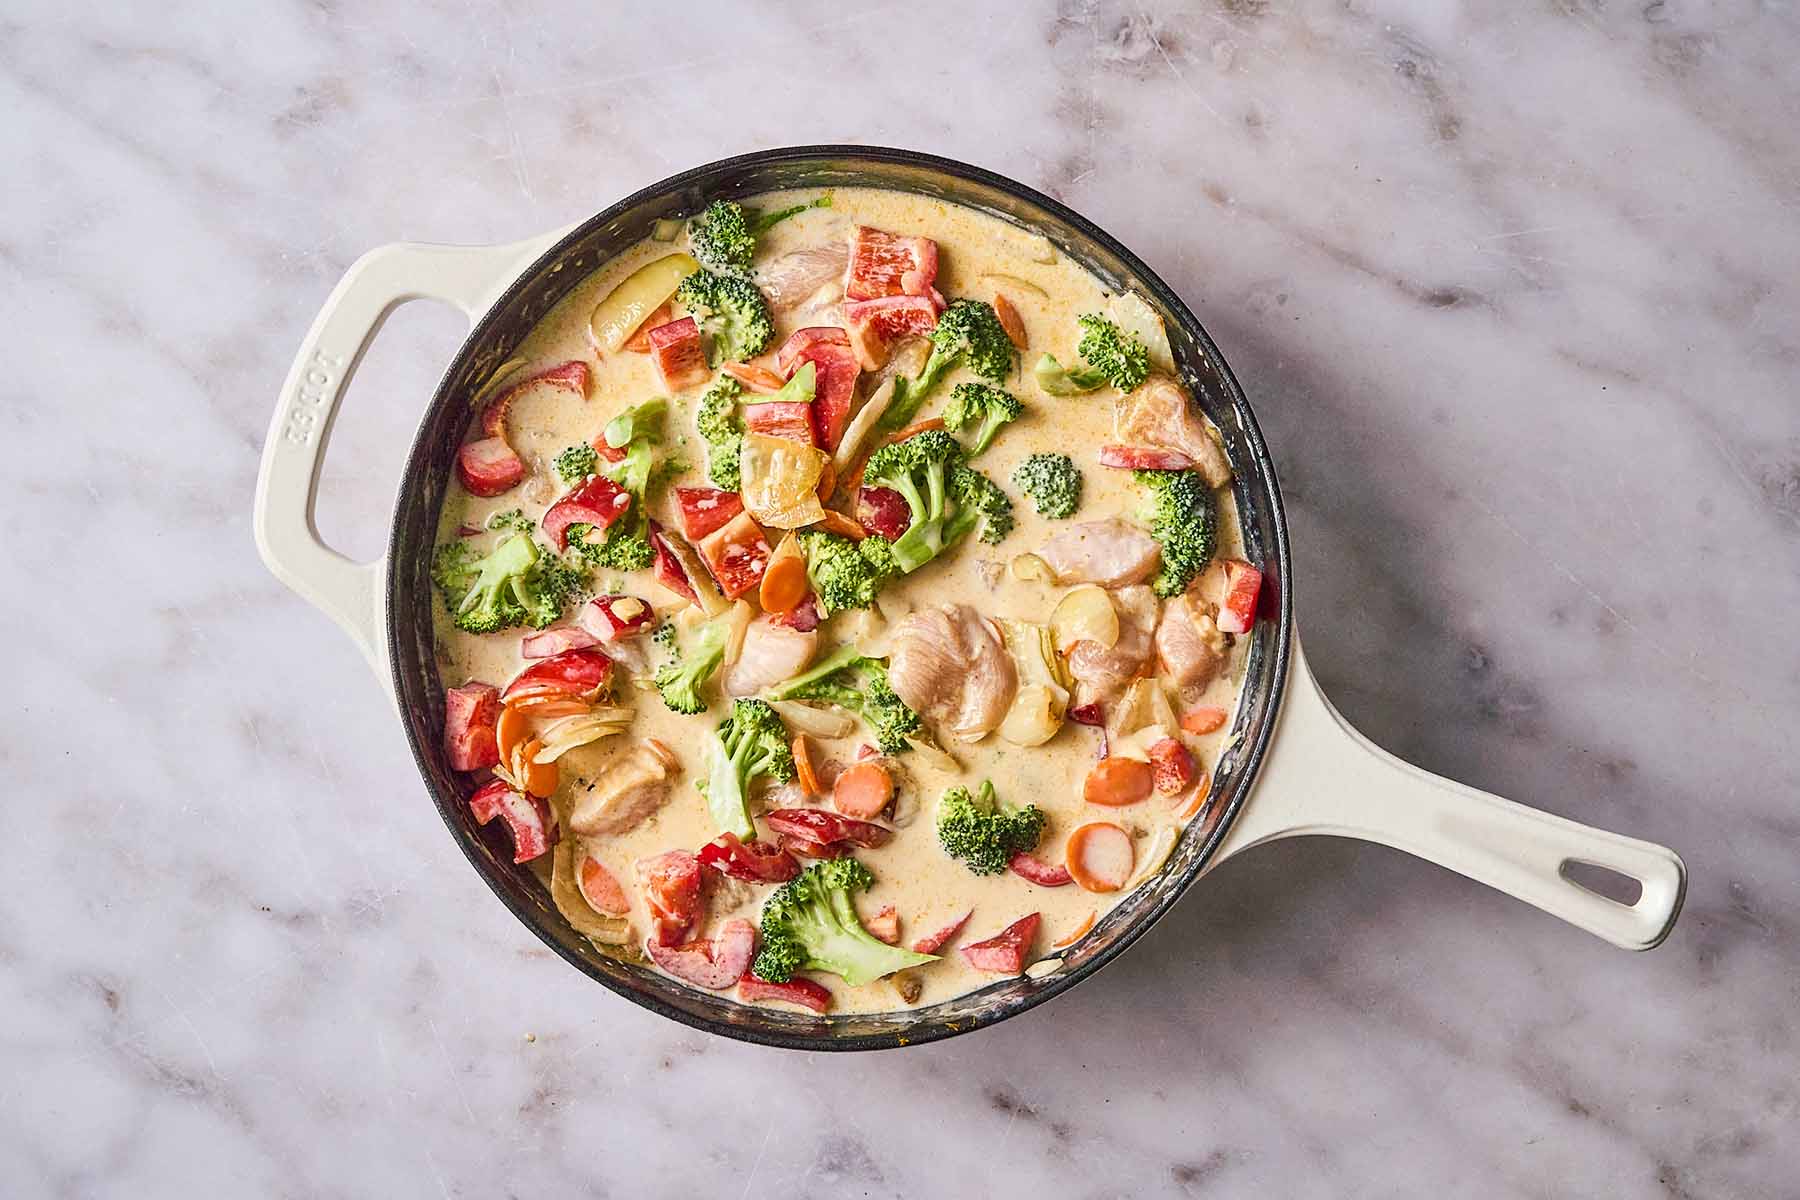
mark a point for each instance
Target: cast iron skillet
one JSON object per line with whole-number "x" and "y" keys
{"x": 387, "y": 606}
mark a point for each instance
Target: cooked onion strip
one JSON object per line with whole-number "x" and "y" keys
{"x": 813, "y": 720}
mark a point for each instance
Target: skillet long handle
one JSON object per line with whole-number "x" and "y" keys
{"x": 1323, "y": 777}
{"x": 287, "y": 484}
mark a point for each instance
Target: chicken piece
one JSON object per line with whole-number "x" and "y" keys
{"x": 1189, "y": 647}
{"x": 950, "y": 667}
{"x": 1160, "y": 414}
{"x": 632, "y": 787}
{"x": 800, "y": 275}
{"x": 771, "y": 653}
{"x": 1103, "y": 673}
{"x": 1111, "y": 553}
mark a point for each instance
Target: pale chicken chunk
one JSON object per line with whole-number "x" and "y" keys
{"x": 771, "y": 653}
{"x": 1189, "y": 647}
{"x": 1161, "y": 415}
{"x": 950, "y": 667}
{"x": 1103, "y": 673}
{"x": 1111, "y": 553}
{"x": 633, "y": 786}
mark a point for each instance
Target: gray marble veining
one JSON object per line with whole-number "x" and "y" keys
{"x": 1514, "y": 291}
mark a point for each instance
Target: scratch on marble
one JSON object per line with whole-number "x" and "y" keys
{"x": 1180, "y": 78}
{"x": 181, "y": 1015}
{"x": 462, "y": 1096}
{"x": 1560, "y": 568}
{"x": 768, "y": 1132}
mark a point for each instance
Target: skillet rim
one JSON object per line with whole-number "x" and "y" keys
{"x": 1251, "y": 754}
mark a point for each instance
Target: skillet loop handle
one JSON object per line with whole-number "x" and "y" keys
{"x": 287, "y": 536}
{"x": 1323, "y": 777}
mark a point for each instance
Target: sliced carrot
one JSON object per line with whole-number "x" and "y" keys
{"x": 916, "y": 427}
{"x": 1197, "y": 800}
{"x": 783, "y": 584}
{"x": 1009, "y": 320}
{"x": 838, "y": 523}
{"x": 1074, "y": 935}
{"x": 540, "y": 779}
{"x": 1100, "y": 856}
{"x": 600, "y": 888}
{"x": 639, "y": 342}
{"x": 827, "y": 481}
{"x": 803, "y": 767}
{"x": 754, "y": 376}
{"x": 863, "y": 790}
{"x": 1204, "y": 718}
{"x": 511, "y": 729}
{"x": 1116, "y": 782}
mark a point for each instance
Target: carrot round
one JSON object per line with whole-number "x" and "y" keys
{"x": 1197, "y": 800}
{"x": 1100, "y": 857}
{"x": 1203, "y": 718}
{"x": 862, "y": 791}
{"x": 784, "y": 584}
{"x": 1075, "y": 934}
{"x": 1116, "y": 782}
{"x": 809, "y": 779}
{"x": 600, "y": 888}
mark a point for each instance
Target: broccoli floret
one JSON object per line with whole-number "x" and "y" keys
{"x": 514, "y": 584}
{"x": 681, "y": 679}
{"x": 842, "y": 575}
{"x": 810, "y": 924}
{"x": 731, "y": 312}
{"x": 979, "y": 501}
{"x": 946, "y": 498}
{"x": 1052, "y": 481}
{"x": 577, "y": 463}
{"x": 1113, "y": 356}
{"x": 513, "y": 519}
{"x": 984, "y": 833}
{"x": 967, "y": 331}
{"x": 880, "y": 553}
{"x": 625, "y": 544}
{"x": 1184, "y": 517}
{"x": 718, "y": 423}
{"x": 721, "y": 238}
{"x": 752, "y": 741}
{"x": 983, "y": 408}
{"x": 850, "y": 679}
{"x": 664, "y": 636}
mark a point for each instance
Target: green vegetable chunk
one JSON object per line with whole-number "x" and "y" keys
{"x": 984, "y": 410}
{"x": 947, "y": 499}
{"x": 850, "y": 679}
{"x": 513, "y": 584}
{"x": 983, "y": 833}
{"x": 1052, "y": 481}
{"x": 752, "y": 741}
{"x": 1113, "y": 356}
{"x": 810, "y": 924}
{"x": 731, "y": 313}
{"x": 1184, "y": 517}
{"x": 968, "y": 331}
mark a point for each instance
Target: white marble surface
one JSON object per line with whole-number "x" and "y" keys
{"x": 1513, "y": 289}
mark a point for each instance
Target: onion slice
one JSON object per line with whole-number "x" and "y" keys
{"x": 814, "y": 720}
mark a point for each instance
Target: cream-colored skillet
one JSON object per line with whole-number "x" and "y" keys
{"x": 1294, "y": 766}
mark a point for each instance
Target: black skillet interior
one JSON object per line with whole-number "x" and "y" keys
{"x": 429, "y": 471}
